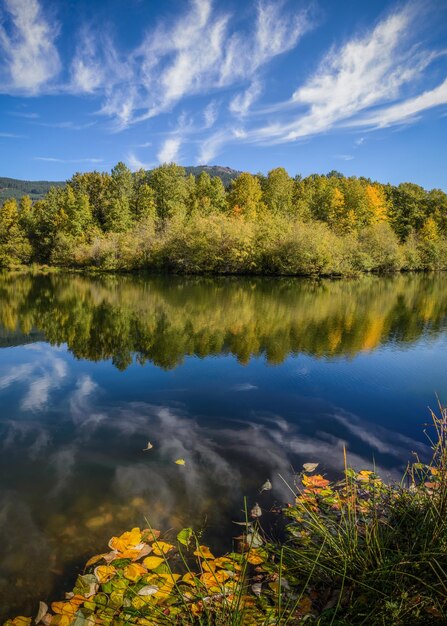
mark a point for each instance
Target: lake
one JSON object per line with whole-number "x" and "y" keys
{"x": 243, "y": 378}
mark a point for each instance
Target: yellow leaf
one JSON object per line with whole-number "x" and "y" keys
{"x": 180, "y": 462}
{"x": 94, "y": 559}
{"x": 190, "y": 579}
{"x": 20, "y": 621}
{"x": 104, "y": 573}
{"x": 134, "y": 571}
{"x": 161, "y": 547}
{"x": 254, "y": 558}
{"x": 129, "y": 539}
{"x": 204, "y": 552}
{"x": 152, "y": 562}
{"x": 170, "y": 577}
{"x": 64, "y": 608}
{"x": 315, "y": 482}
{"x": 208, "y": 566}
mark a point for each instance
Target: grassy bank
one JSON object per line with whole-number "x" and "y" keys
{"x": 357, "y": 551}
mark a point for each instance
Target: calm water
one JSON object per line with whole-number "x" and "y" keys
{"x": 243, "y": 378}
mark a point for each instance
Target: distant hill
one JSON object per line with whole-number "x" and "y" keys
{"x": 14, "y": 188}
{"x": 227, "y": 174}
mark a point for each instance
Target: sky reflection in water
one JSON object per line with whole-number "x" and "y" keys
{"x": 243, "y": 378}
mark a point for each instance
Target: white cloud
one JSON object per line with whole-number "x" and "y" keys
{"x": 87, "y": 69}
{"x": 136, "y": 164}
{"x": 212, "y": 144}
{"x": 406, "y": 111}
{"x": 58, "y": 160}
{"x": 210, "y": 114}
{"x": 242, "y": 102}
{"x": 366, "y": 71}
{"x": 169, "y": 150}
{"x": 11, "y": 136}
{"x": 197, "y": 53}
{"x": 344, "y": 157}
{"x": 30, "y": 57}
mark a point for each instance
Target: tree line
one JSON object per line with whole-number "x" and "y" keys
{"x": 165, "y": 219}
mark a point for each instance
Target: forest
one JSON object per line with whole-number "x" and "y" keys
{"x": 169, "y": 220}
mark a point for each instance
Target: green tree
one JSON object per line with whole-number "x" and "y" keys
{"x": 171, "y": 191}
{"x": 279, "y": 192}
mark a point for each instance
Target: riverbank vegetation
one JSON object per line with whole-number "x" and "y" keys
{"x": 356, "y": 551}
{"x": 164, "y": 220}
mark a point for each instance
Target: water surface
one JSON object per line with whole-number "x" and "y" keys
{"x": 244, "y": 378}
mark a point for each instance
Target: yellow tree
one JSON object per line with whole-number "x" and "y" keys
{"x": 341, "y": 219}
{"x": 245, "y": 197}
{"x": 377, "y": 203}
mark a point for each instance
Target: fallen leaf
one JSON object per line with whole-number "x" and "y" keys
{"x": 134, "y": 572}
{"x": 148, "y": 590}
{"x": 266, "y": 486}
{"x": 180, "y": 462}
{"x": 204, "y": 552}
{"x": 148, "y": 447}
{"x": 104, "y": 573}
{"x": 315, "y": 481}
{"x": 184, "y": 536}
{"x": 161, "y": 547}
{"x": 310, "y": 467}
{"x": 256, "y": 511}
{"x": 254, "y": 540}
{"x": 257, "y": 588}
{"x": 152, "y": 562}
{"x": 94, "y": 559}
{"x": 129, "y": 539}
{"x": 43, "y": 610}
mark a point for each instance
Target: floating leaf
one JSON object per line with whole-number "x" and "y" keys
{"x": 310, "y": 467}
{"x": 256, "y": 511}
{"x": 257, "y": 588}
{"x": 316, "y": 481}
{"x": 184, "y": 536}
{"x": 266, "y": 486}
{"x": 134, "y": 572}
{"x": 180, "y": 462}
{"x": 86, "y": 585}
{"x": 152, "y": 562}
{"x": 104, "y": 573}
{"x": 254, "y": 539}
{"x": 94, "y": 559}
{"x": 148, "y": 447}
{"x": 128, "y": 539}
{"x": 148, "y": 590}
{"x": 204, "y": 552}
{"x": 255, "y": 558}
{"x": 43, "y": 610}
{"x": 161, "y": 547}
{"x": 19, "y": 621}
{"x": 190, "y": 579}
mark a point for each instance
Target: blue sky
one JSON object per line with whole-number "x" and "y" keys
{"x": 360, "y": 87}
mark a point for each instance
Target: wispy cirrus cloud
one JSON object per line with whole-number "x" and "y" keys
{"x": 169, "y": 150}
{"x": 30, "y": 57}
{"x": 197, "y": 53}
{"x": 58, "y": 160}
{"x": 365, "y": 72}
{"x": 363, "y": 83}
{"x": 213, "y": 61}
